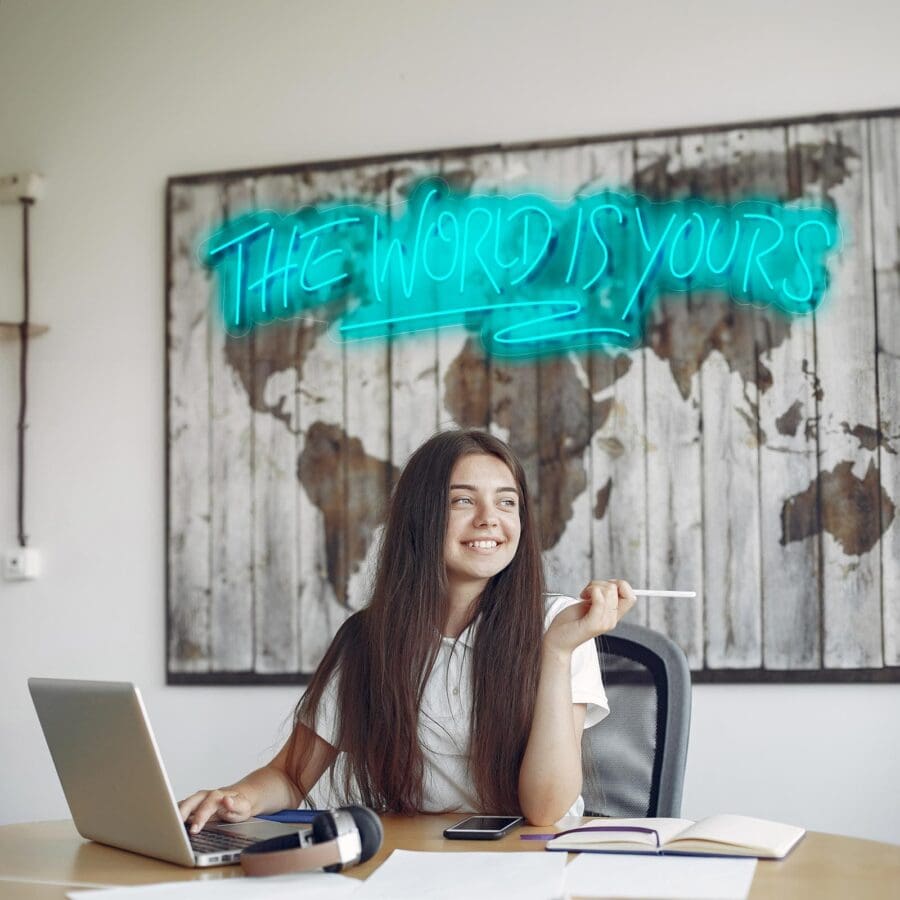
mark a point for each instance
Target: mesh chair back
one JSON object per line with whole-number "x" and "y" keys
{"x": 634, "y": 760}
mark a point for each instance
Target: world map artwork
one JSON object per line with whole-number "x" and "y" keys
{"x": 736, "y": 451}
{"x": 863, "y": 511}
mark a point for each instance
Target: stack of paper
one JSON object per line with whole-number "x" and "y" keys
{"x": 279, "y": 887}
{"x": 659, "y": 877}
{"x": 414, "y": 875}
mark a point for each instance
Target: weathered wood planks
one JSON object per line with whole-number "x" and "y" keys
{"x": 849, "y": 484}
{"x": 748, "y": 457}
{"x": 192, "y": 211}
{"x": 885, "y": 153}
{"x": 618, "y": 446}
{"x": 673, "y": 462}
{"x": 786, "y": 381}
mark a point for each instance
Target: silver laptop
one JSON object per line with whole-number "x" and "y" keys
{"x": 113, "y": 776}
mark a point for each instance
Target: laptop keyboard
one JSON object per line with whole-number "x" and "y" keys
{"x": 216, "y": 841}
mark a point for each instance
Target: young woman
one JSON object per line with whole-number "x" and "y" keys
{"x": 461, "y": 686}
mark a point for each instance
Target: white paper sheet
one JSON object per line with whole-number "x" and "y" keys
{"x": 660, "y": 877}
{"x": 278, "y": 887}
{"x": 417, "y": 875}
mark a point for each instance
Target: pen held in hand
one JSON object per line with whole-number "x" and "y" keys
{"x": 647, "y": 593}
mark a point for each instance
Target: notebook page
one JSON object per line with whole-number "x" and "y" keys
{"x": 743, "y": 831}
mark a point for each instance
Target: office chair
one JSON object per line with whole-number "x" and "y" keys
{"x": 634, "y": 759}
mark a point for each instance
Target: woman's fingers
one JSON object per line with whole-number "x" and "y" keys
{"x": 596, "y": 614}
{"x": 603, "y": 605}
{"x": 604, "y": 597}
{"x": 626, "y": 597}
{"x": 189, "y": 804}
{"x": 199, "y": 808}
{"x": 208, "y": 808}
{"x": 610, "y": 601}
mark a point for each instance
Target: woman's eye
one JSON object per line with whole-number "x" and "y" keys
{"x": 461, "y": 500}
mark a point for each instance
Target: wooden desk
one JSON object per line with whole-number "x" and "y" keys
{"x": 42, "y": 860}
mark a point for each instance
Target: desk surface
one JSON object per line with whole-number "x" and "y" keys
{"x": 43, "y": 860}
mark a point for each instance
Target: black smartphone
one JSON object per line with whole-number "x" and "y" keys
{"x": 482, "y": 828}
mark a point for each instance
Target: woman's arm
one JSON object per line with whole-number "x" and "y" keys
{"x": 268, "y": 789}
{"x": 550, "y": 776}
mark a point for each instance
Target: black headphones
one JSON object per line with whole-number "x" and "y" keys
{"x": 340, "y": 838}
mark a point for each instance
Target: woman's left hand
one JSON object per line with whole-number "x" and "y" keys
{"x": 603, "y": 604}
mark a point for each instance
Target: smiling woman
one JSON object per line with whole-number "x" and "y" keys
{"x": 462, "y": 685}
{"x": 483, "y": 529}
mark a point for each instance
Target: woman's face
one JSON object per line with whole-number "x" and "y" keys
{"x": 483, "y": 526}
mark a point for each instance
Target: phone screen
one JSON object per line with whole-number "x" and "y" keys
{"x": 486, "y": 823}
{"x": 482, "y": 828}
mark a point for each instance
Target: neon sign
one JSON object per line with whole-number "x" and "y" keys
{"x": 533, "y": 276}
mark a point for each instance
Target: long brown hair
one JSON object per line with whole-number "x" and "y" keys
{"x": 382, "y": 656}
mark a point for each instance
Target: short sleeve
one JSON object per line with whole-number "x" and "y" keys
{"x": 587, "y": 683}
{"x": 327, "y": 714}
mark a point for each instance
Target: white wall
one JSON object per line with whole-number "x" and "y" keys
{"x": 109, "y": 98}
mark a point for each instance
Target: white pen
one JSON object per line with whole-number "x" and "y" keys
{"x": 643, "y": 593}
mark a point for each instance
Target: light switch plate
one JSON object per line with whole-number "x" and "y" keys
{"x": 21, "y": 564}
{"x": 22, "y": 185}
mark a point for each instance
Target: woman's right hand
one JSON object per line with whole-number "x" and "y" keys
{"x": 603, "y": 603}
{"x": 219, "y": 805}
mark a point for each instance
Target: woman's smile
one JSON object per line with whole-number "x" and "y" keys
{"x": 483, "y": 523}
{"x": 483, "y": 546}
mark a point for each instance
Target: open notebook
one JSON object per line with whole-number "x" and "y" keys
{"x": 715, "y": 836}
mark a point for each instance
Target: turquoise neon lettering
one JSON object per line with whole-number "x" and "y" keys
{"x": 540, "y": 255}
{"x": 238, "y": 240}
{"x": 501, "y": 336}
{"x": 653, "y": 255}
{"x": 477, "y": 211}
{"x": 460, "y": 311}
{"x": 308, "y": 260}
{"x": 575, "y": 245}
{"x": 533, "y": 276}
{"x": 266, "y": 273}
{"x": 734, "y": 244}
{"x": 239, "y": 280}
{"x": 796, "y": 298}
{"x": 437, "y": 229}
{"x": 498, "y": 233}
{"x": 765, "y": 252}
{"x": 398, "y": 248}
{"x": 602, "y": 268}
{"x": 238, "y": 243}
{"x": 684, "y": 228}
{"x": 288, "y": 267}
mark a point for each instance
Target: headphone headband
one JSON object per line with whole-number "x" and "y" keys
{"x": 335, "y": 842}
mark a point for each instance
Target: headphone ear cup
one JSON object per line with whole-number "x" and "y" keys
{"x": 371, "y": 833}
{"x": 324, "y": 827}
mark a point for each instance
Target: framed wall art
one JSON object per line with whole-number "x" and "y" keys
{"x": 733, "y": 450}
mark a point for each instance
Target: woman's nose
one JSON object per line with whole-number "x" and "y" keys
{"x": 486, "y": 516}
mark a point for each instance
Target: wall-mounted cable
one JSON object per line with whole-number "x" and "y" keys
{"x": 23, "y": 370}
{"x": 23, "y": 189}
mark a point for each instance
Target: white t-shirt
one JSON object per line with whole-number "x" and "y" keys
{"x": 445, "y": 716}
